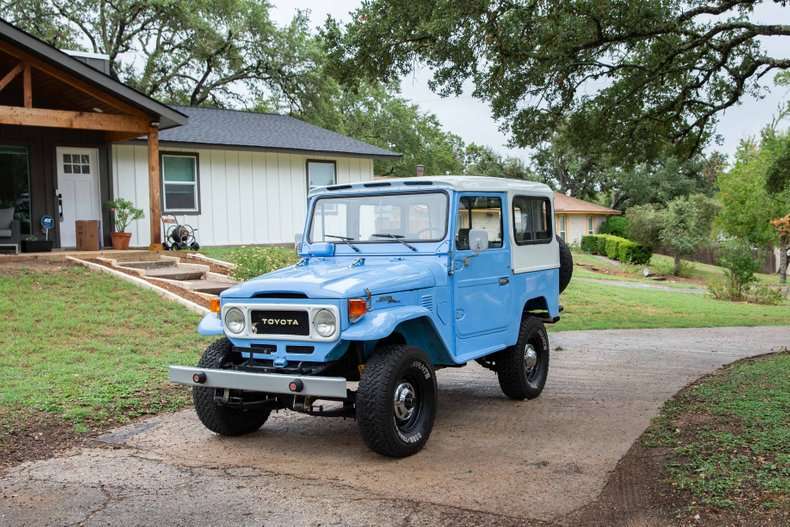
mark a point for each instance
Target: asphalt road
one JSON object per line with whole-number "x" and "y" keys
{"x": 490, "y": 461}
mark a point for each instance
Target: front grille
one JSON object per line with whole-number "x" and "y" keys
{"x": 280, "y": 322}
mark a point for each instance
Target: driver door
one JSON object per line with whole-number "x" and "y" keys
{"x": 481, "y": 282}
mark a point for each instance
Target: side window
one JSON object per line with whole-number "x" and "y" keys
{"x": 531, "y": 220}
{"x": 320, "y": 174}
{"x": 180, "y": 183}
{"x": 590, "y": 229}
{"x": 478, "y": 212}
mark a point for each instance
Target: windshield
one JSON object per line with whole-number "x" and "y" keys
{"x": 380, "y": 218}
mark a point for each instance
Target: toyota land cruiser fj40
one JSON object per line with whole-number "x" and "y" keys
{"x": 397, "y": 279}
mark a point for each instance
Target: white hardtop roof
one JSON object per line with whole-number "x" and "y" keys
{"x": 459, "y": 183}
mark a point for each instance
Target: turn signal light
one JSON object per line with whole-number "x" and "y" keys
{"x": 357, "y": 307}
{"x": 213, "y": 305}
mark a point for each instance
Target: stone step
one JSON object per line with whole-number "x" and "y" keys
{"x": 175, "y": 273}
{"x": 134, "y": 256}
{"x": 212, "y": 287}
{"x": 150, "y": 264}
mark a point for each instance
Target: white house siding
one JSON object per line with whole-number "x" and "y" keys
{"x": 246, "y": 197}
{"x": 577, "y": 226}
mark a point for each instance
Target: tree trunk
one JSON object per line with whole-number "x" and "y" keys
{"x": 676, "y": 271}
{"x": 783, "y": 248}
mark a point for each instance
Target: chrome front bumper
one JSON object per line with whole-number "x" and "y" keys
{"x": 334, "y": 387}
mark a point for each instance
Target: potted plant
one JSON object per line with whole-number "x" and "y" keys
{"x": 124, "y": 212}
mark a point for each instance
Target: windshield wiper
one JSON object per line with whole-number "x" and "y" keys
{"x": 397, "y": 238}
{"x": 344, "y": 239}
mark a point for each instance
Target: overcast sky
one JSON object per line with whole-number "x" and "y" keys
{"x": 471, "y": 118}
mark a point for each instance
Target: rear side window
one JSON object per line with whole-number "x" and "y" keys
{"x": 531, "y": 220}
{"x": 479, "y": 212}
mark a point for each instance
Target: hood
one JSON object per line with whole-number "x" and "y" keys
{"x": 342, "y": 278}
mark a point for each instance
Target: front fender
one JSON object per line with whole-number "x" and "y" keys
{"x": 211, "y": 325}
{"x": 376, "y": 325}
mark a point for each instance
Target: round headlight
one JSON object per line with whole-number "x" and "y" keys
{"x": 325, "y": 323}
{"x": 234, "y": 320}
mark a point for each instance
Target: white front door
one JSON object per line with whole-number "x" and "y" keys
{"x": 78, "y": 190}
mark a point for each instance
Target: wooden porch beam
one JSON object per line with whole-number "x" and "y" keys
{"x": 64, "y": 77}
{"x": 15, "y": 115}
{"x": 154, "y": 187}
{"x": 11, "y": 75}
{"x": 27, "y": 87}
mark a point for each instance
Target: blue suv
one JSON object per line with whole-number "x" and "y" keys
{"x": 397, "y": 279}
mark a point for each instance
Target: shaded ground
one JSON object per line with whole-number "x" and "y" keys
{"x": 490, "y": 461}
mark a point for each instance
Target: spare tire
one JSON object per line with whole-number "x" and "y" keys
{"x": 566, "y": 264}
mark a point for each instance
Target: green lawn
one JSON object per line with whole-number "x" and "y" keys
{"x": 88, "y": 348}
{"x": 602, "y": 306}
{"x": 729, "y": 436}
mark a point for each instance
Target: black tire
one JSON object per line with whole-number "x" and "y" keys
{"x": 220, "y": 419}
{"x": 518, "y": 378}
{"x": 566, "y": 264}
{"x": 401, "y": 372}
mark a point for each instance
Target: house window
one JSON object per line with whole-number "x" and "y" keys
{"x": 531, "y": 220}
{"x": 320, "y": 174}
{"x": 180, "y": 183}
{"x": 479, "y": 213}
{"x": 15, "y": 218}
{"x": 590, "y": 229}
{"x": 563, "y": 227}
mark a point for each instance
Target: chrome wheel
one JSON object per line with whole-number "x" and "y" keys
{"x": 530, "y": 359}
{"x": 405, "y": 402}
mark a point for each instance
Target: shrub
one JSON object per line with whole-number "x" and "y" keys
{"x": 590, "y": 243}
{"x": 615, "y": 225}
{"x": 764, "y": 294}
{"x": 617, "y": 248}
{"x": 644, "y": 224}
{"x": 255, "y": 261}
{"x": 739, "y": 267}
{"x": 633, "y": 253}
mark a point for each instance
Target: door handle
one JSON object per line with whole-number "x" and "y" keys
{"x": 504, "y": 281}
{"x": 60, "y": 206}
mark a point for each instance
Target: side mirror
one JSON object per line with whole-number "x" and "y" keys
{"x": 478, "y": 240}
{"x": 298, "y": 243}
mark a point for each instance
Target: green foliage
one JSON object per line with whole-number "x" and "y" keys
{"x": 623, "y": 77}
{"x": 687, "y": 225}
{"x": 764, "y": 294}
{"x": 371, "y": 113}
{"x": 255, "y": 261}
{"x": 739, "y": 263}
{"x": 778, "y": 175}
{"x": 616, "y": 248}
{"x": 747, "y": 205}
{"x": 644, "y": 224}
{"x": 195, "y": 52}
{"x": 728, "y": 436}
{"x": 124, "y": 212}
{"x": 483, "y": 161}
{"x": 615, "y": 225}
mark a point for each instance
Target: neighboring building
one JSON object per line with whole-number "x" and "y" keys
{"x": 71, "y": 138}
{"x": 575, "y": 217}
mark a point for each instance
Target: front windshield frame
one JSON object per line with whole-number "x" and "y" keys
{"x": 383, "y": 240}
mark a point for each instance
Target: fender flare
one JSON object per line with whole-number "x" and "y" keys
{"x": 376, "y": 325}
{"x": 210, "y": 326}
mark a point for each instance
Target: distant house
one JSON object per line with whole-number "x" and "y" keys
{"x": 72, "y": 137}
{"x": 575, "y": 217}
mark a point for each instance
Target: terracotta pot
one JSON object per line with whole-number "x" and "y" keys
{"x": 120, "y": 240}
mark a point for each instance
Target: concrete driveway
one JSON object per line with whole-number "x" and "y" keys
{"x": 490, "y": 461}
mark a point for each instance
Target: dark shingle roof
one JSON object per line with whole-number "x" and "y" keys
{"x": 266, "y": 131}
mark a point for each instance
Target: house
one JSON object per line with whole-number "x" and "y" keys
{"x": 575, "y": 217}
{"x": 72, "y": 137}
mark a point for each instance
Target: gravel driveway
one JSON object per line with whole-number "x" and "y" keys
{"x": 490, "y": 461}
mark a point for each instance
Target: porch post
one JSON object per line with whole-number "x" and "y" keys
{"x": 154, "y": 186}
